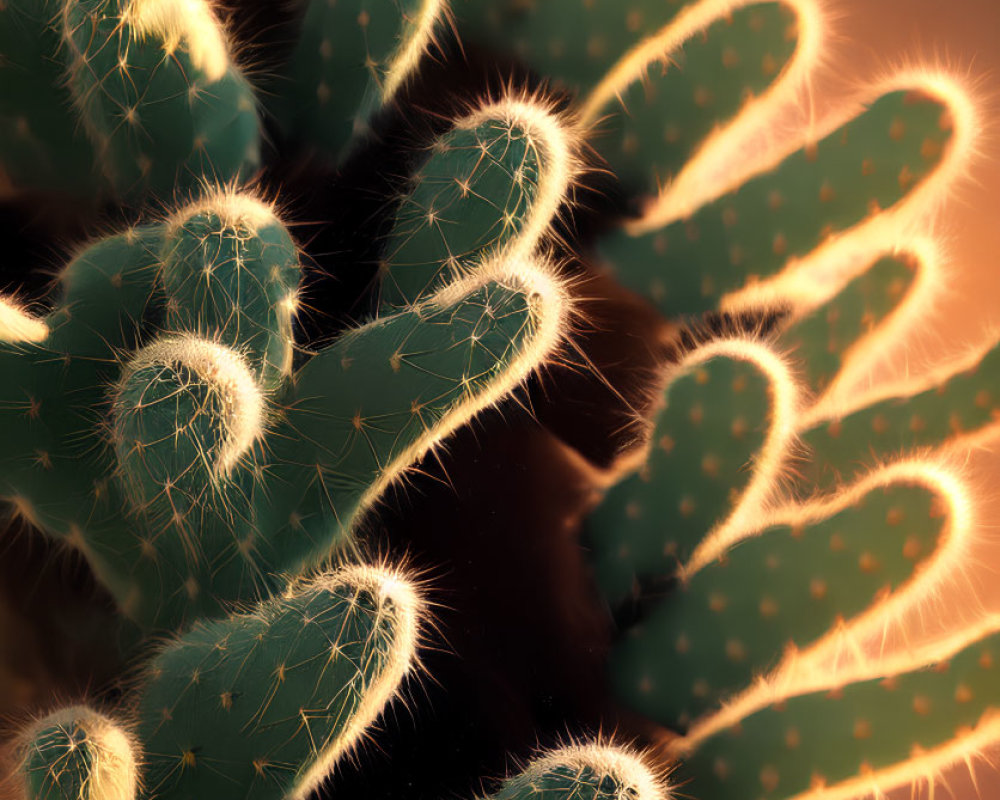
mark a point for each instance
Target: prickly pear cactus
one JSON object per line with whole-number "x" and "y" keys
{"x": 789, "y": 516}
{"x": 215, "y": 469}
{"x": 349, "y": 61}
{"x": 128, "y": 97}
{"x": 268, "y": 701}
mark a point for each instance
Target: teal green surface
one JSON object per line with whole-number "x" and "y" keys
{"x": 713, "y": 420}
{"x": 250, "y": 703}
{"x": 237, "y": 280}
{"x": 129, "y": 471}
{"x": 779, "y": 751}
{"x": 90, "y": 109}
{"x": 732, "y": 621}
{"x": 470, "y": 198}
{"x": 60, "y": 761}
{"x": 334, "y": 80}
{"x": 649, "y": 128}
{"x": 872, "y": 162}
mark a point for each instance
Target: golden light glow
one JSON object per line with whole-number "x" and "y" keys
{"x": 729, "y": 156}
{"x": 769, "y": 463}
{"x": 811, "y": 280}
{"x": 227, "y": 373}
{"x": 923, "y": 769}
{"x": 190, "y": 22}
{"x": 236, "y": 208}
{"x": 398, "y": 598}
{"x": 855, "y": 387}
{"x": 556, "y": 145}
{"x": 551, "y": 311}
{"x": 17, "y": 325}
{"x": 418, "y": 39}
{"x": 626, "y": 767}
{"x": 854, "y": 651}
{"x": 113, "y": 771}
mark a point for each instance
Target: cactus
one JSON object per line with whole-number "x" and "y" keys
{"x": 869, "y": 164}
{"x": 651, "y": 89}
{"x": 165, "y": 421}
{"x": 787, "y": 516}
{"x": 489, "y": 187}
{"x": 350, "y": 59}
{"x": 589, "y": 771}
{"x": 212, "y": 452}
{"x": 77, "y": 753}
{"x": 267, "y": 701}
{"x": 127, "y": 96}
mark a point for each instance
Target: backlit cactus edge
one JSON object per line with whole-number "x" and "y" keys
{"x": 161, "y": 418}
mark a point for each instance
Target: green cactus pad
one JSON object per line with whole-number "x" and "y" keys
{"x": 365, "y": 407}
{"x": 879, "y": 724}
{"x": 107, "y": 289}
{"x": 967, "y": 402}
{"x": 265, "y": 704}
{"x": 732, "y": 620}
{"x": 704, "y": 438}
{"x": 873, "y": 161}
{"x": 577, "y": 49}
{"x": 350, "y": 57}
{"x": 40, "y": 146}
{"x": 653, "y": 117}
{"x": 139, "y": 96}
{"x": 665, "y": 115}
{"x": 473, "y": 195}
{"x": 190, "y": 470}
{"x": 77, "y": 754}
{"x": 158, "y": 95}
{"x": 584, "y": 772}
{"x": 232, "y": 272}
{"x": 819, "y": 342}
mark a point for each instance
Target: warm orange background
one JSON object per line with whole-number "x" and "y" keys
{"x": 963, "y": 35}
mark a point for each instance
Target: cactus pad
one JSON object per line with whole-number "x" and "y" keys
{"x": 222, "y": 471}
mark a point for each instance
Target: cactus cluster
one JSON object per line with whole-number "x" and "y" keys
{"x": 787, "y": 515}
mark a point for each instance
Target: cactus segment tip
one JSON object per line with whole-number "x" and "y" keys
{"x": 17, "y": 325}
{"x": 226, "y": 373}
{"x": 551, "y": 311}
{"x": 553, "y": 134}
{"x": 419, "y": 39}
{"x": 235, "y": 208}
{"x": 112, "y": 754}
{"x": 771, "y": 463}
{"x": 634, "y": 775}
{"x": 859, "y": 650}
{"x": 190, "y": 22}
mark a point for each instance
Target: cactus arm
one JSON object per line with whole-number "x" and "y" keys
{"x": 871, "y": 163}
{"x": 588, "y": 771}
{"x": 382, "y": 397}
{"x": 77, "y": 753}
{"x": 17, "y": 324}
{"x": 231, "y": 270}
{"x": 270, "y": 701}
{"x": 490, "y": 187}
{"x": 947, "y": 712}
{"x": 157, "y": 93}
{"x": 663, "y": 99}
{"x": 351, "y": 59}
{"x": 727, "y": 407}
